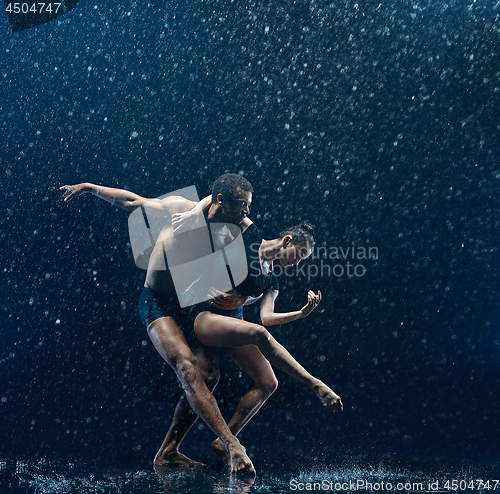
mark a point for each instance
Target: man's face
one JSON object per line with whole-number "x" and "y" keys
{"x": 236, "y": 212}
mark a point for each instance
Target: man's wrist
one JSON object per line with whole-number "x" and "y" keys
{"x": 92, "y": 189}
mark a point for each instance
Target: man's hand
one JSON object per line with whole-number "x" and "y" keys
{"x": 312, "y": 301}
{"x": 226, "y": 301}
{"x": 71, "y": 191}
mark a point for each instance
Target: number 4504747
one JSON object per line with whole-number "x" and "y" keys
{"x": 478, "y": 484}
{"x": 34, "y": 8}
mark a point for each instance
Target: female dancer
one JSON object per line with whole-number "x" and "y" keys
{"x": 250, "y": 345}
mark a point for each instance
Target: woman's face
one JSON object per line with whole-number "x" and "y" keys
{"x": 292, "y": 255}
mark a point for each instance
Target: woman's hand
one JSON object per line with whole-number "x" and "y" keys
{"x": 312, "y": 301}
{"x": 328, "y": 397}
{"x": 226, "y": 301}
{"x": 182, "y": 222}
{"x": 71, "y": 191}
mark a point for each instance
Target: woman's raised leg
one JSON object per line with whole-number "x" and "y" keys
{"x": 216, "y": 330}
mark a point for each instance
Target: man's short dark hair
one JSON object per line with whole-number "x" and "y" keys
{"x": 228, "y": 184}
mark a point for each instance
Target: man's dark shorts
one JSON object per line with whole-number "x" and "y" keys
{"x": 154, "y": 304}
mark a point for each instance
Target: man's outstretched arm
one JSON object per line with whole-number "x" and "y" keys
{"x": 121, "y": 198}
{"x": 128, "y": 200}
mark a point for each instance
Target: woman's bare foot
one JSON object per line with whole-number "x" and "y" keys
{"x": 175, "y": 459}
{"x": 235, "y": 457}
{"x": 219, "y": 449}
{"x": 328, "y": 397}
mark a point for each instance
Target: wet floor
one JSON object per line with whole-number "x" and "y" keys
{"x": 350, "y": 473}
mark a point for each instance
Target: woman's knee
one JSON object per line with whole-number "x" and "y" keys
{"x": 269, "y": 386}
{"x": 266, "y": 381}
{"x": 259, "y": 334}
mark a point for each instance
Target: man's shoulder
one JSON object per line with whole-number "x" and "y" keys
{"x": 177, "y": 204}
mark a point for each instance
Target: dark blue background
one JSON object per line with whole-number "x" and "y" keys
{"x": 376, "y": 122}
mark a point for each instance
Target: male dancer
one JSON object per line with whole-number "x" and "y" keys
{"x": 161, "y": 309}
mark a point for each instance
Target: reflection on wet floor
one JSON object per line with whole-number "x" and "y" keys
{"x": 347, "y": 474}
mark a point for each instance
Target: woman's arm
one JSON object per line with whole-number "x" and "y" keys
{"x": 230, "y": 300}
{"x": 269, "y": 317}
{"x": 121, "y": 198}
{"x": 202, "y": 206}
{"x": 185, "y": 221}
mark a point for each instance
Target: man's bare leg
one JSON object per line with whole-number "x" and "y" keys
{"x": 185, "y": 417}
{"x": 169, "y": 455}
{"x": 172, "y": 346}
{"x": 250, "y": 359}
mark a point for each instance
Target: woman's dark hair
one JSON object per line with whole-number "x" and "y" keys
{"x": 228, "y": 184}
{"x": 303, "y": 233}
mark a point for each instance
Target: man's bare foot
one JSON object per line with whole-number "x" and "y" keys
{"x": 235, "y": 457}
{"x": 327, "y": 396}
{"x": 175, "y": 459}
